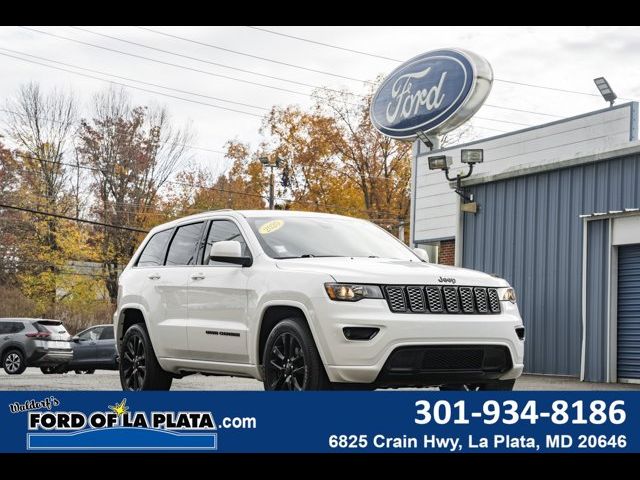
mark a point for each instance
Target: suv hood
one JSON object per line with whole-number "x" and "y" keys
{"x": 389, "y": 271}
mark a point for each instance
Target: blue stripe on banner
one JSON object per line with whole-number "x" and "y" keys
{"x": 264, "y": 422}
{"x": 127, "y": 438}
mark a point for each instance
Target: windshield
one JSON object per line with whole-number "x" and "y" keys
{"x": 306, "y": 237}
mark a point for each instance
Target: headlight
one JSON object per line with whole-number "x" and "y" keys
{"x": 345, "y": 292}
{"x": 507, "y": 294}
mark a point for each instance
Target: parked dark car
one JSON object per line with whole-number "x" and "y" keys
{"x": 93, "y": 349}
{"x": 33, "y": 342}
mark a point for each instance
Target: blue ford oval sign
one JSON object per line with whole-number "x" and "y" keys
{"x": 432, "y": 93}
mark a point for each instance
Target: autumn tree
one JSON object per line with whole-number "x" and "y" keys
{"x": 41, "y": 126}
{"x": 132, "y": 152}
{"x": 337, "y": 161}
{"x": 11, "y": 226}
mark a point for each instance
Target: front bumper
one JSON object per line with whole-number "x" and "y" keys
{"x": 45, "y": 357}
{"x": 364, "y": 361}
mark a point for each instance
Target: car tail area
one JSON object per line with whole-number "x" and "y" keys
{"x": 50, "y": 334}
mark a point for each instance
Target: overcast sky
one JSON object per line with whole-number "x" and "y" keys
{"x": 560, "y": 57}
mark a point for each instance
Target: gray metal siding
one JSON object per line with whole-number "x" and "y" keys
{"x": 528, "y": 231}
{"x": 597, "y": 305}
{"x": 629, "y": 312}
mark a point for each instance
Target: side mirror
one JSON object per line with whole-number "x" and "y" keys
{"x": 76, "y": 339}
{"x": 229, "y": 251}
{"x": 422, "y": 254}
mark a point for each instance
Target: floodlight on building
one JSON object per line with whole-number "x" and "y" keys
{"x": 605, "y": 90}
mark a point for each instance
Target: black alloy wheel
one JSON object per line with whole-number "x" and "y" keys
{"x": 287, "y": 367}
{"x": 134, "y": 363}
{"x": 139, "y": 367}
{"x": 291, "y": 360}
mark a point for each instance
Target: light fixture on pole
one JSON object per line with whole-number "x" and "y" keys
{"x": 605, "y": 90}
{"x": 468, "y": 156}
{"x": 276, "y": 164}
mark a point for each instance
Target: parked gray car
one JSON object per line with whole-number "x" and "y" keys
{"x": 33, "y": 342}
{"x": 93, "y": 348}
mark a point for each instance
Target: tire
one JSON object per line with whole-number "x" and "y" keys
{"x": 291, "y": 360}
{"x": 13, "y": 362}
{"x": 89, "y": 371}
{"x": 139, "y": 367}
{"x": 496, "y": 385}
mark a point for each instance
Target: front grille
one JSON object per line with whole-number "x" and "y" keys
{"x": 448, "y": 358}
{"x": 395, "y": 297}
{"x": 494, "y": 300}
{"x": 437, "y": 299}
{"x": 466, "y": 299}
{"x": 451, "y": 299}
{"x": 416, "y": 299}
{"x": 481, "y": 300}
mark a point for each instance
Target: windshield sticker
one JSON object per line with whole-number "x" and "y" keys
{"x": 270, "y": 227}
{"x": 279, "y": 249}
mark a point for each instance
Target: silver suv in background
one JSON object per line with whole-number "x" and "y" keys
{"x": 33, "y": 342}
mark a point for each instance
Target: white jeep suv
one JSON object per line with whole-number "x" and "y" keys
{"x": 309, "y": 301}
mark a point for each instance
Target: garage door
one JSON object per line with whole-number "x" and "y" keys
{"x": 629, "y": 312}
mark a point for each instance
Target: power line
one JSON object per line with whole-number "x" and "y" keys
{"x": 205, "y": 187}
{"x": 299, "y": 66}
{"x": 368, "y": 54}
{"x": 73, "y": 219}
{"x": 194, "y": 147}
{"x": 205, "y": 72}
{"x": 503, "y": 121}
{"x": 134, "y": 80}
{"x": 126, "y": 85}
{"x": 307, "y": 40}
{"x": 15, "y": 269}
{"x": 202, "y": 60}
{"x": 257, "y": 57}
{"x": 174, "y": 182}
{"x": 522, "y": 111}
{"x": 165, "y": 87}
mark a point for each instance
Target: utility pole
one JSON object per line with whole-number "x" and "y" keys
{"x": 276, "y": 164}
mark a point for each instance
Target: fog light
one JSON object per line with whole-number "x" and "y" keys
{"x": 360, "y": 333}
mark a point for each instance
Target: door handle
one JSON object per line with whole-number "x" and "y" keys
{"x": 197, "y": 276}
{"x": 154, "y": 276}
{"x": 7, "y": 338}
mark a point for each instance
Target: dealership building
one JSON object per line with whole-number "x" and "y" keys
{"x": 558, "y": 217}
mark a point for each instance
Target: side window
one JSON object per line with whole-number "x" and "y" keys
{"x": 17, "y": 327}
{"x": 5, "y": 327}
{"x": 91, "y": 334}
{"x": 153, "y": 253}
{"x": 219, "y": 231}
{"x": 182, "y": 250}
{"x": 107, "y": 333}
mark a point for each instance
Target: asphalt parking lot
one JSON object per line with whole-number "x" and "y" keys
{"x": 33, "y": 379}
